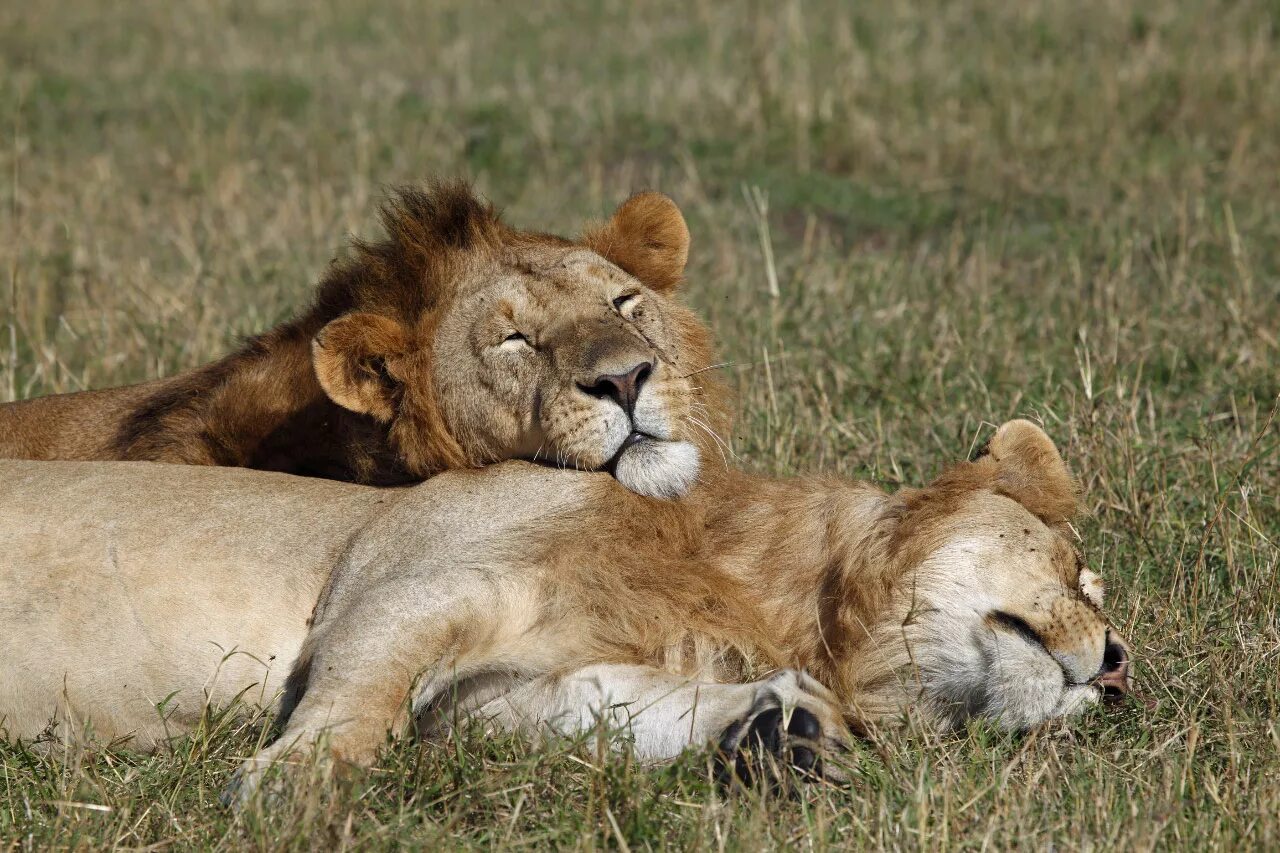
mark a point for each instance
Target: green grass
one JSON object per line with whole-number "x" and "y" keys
{"x": 977, "y": 210}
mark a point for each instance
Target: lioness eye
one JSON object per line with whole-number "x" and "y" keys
{"x": 624, "y": 300}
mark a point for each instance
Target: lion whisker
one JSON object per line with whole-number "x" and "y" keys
{"x": 710, "y": 367}
{"x": 720, "y": 443}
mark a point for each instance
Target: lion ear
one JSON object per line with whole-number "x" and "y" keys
{"x": 1031, "y": 471}
{"x": 350, "y": 358}
{"x": 647, "y": 237}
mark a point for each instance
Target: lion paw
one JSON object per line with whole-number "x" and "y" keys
{"x": 792, "y": 727}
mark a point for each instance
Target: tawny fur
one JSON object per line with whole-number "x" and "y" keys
{"x": 527, "y": 587}
{"x": 362, "y": 387}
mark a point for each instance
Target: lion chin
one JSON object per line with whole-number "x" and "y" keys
{"x": 658, "y": 469}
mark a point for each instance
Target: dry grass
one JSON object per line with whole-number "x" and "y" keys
{"x": 973, "y": 210}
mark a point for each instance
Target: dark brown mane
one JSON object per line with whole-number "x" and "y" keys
{"x": 409, "y": 271}
{"x": 212, "y": 415}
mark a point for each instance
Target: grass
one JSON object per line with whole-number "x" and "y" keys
{"x": 975, "y": 210}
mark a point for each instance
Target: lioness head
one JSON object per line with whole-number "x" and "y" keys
{"x": 996, "y": 614}
{"x": 474, "y": 342}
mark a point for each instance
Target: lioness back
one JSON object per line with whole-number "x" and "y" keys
{"x": 455, "y": 342}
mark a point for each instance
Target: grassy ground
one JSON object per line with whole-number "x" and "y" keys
{"x": 975, "y": 210}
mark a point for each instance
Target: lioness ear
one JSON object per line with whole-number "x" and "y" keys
{"x": 1030, "y": 470}
{"x": 647, "y": 237}
{"x": 350, "y": 358}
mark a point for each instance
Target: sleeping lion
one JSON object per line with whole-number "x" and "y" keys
{"x": 454, "y": 342}
{"x": 545, "y": 601}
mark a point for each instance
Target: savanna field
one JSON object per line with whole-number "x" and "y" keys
{"x": 910, "y": 222}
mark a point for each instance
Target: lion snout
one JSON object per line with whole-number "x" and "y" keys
{"x": 1113, "y": 677}
{"x": 621, "y": 387}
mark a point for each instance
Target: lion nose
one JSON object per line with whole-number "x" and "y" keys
{"x": 622, "y": 388}
{"x": 1113, "y": 678}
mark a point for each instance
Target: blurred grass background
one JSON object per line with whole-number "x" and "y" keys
{"x": 971, "y": 210}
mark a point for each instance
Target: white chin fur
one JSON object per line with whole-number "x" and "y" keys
{"x": 659, "y": 469}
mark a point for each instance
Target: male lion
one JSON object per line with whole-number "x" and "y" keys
{"x": 454, "y": 342}
{"x": 542, "y": 599}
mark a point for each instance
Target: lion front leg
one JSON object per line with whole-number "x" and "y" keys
{"x": 334, "y": 724}
{"x": 334, "y": 727}
{"x": 787, "y": 720}
{"x": 370, "y": 661}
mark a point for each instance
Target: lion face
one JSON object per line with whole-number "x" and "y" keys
{"x": 528, "y": 346}
{"x": 568, "y": 359}
{"x": 1010, "y": 624}
{"x": 996, "y": 614}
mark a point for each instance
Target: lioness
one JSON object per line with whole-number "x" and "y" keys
{"x": 537, "y": 598}
{"x": 454, "y": 342}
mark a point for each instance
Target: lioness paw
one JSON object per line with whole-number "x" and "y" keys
{"x": 271, "y": 773}
{"x": 790, "y": 733}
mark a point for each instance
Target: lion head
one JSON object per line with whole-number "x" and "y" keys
{"x": 475, "y": 342}
{"x": 993, "y": 612}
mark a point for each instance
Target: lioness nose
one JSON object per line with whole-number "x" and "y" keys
{"x": 1114, "y": 675}
{"x": 622, "y": 388}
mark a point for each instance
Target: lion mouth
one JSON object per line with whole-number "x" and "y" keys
{"x": 633, "y": 438}
{"x": 654, "y": 467}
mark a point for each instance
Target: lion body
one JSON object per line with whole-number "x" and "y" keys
{"x": 519, "y": 590}
{"x": 79, "y": 425}
{"x": 455, "y": 342}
